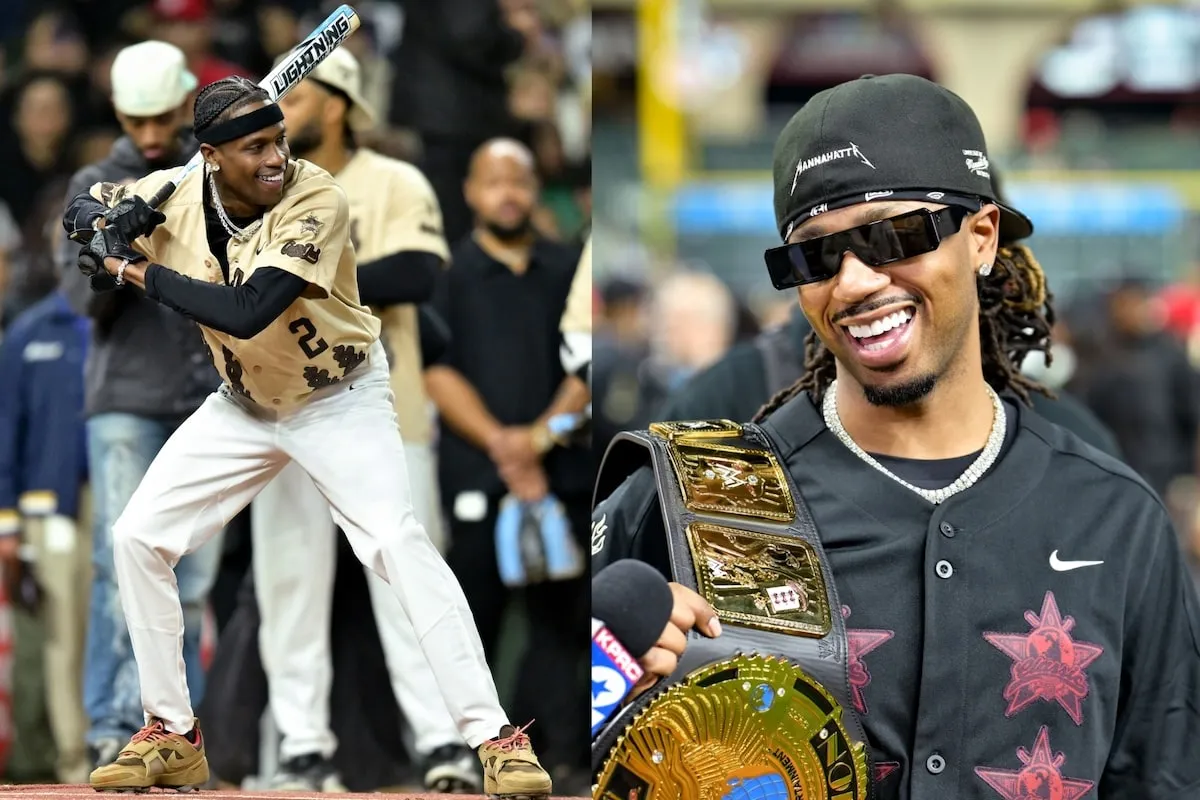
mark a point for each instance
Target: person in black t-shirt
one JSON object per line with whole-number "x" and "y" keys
{"x": 499, "y": 387}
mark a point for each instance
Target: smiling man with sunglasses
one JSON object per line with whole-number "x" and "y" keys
{"x": 998, "y": 609}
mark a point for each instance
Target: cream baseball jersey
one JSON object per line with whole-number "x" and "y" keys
{"x": 324, "y": 334}
{"x": 577, "y": 318}
{"x": 393, "y": 208}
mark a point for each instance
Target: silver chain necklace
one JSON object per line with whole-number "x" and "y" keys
{"x": 235, "y": 233}
{"x": 973, "y": 473}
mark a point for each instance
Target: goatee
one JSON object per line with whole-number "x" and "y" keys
{"x": 902, "y": 394}
{"x": 510, "y": 233}
{"x": 303, "y": 141}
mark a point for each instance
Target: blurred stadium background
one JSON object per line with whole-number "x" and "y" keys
{"x": 1091, "y": 114}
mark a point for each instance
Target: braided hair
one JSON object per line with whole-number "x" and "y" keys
{"x": 219, "y": 100}
{"x": 1015, "y": 317}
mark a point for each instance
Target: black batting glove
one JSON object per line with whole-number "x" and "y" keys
{"x": 133, "y": 217}
{"x": 108, "y": 242}
{"x": 103, "y": 282}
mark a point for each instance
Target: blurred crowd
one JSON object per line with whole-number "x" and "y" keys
{"x": 490, "y": 99}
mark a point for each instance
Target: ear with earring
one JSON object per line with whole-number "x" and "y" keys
{"x": 985, "y": 270}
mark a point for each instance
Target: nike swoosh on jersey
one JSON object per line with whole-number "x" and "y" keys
{"x": 1064, "y": 566}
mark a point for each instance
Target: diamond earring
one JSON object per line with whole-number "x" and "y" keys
{"x": 985, "y": 269}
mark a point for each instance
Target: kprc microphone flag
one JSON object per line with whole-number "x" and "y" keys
{"x": 614, "y": 673}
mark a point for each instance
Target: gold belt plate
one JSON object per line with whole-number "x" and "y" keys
{"x": 761, "y": 580}
{"x": 725, "y": 479}
{"x": 705, "y": 428}
{"x": 751, "y": 727}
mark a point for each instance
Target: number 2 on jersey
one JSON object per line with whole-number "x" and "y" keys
{"x": 304, "y": 324}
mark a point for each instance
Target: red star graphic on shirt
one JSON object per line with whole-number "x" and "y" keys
{"x": 1038, "y": 779}
{"x": 885, "y": 768}
{"x": 861, "y": 642}
{"x": 1047, "y": 663}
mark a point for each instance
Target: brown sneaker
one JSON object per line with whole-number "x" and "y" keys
{"x": 510, "y": 767}
{"x": 155, "y": 757}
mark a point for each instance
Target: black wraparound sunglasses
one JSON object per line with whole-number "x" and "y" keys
{"x": 876, "y": 244}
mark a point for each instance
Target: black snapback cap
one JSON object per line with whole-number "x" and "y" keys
{"x": 885, "y": 136}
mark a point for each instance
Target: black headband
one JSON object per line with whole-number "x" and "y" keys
{"x": 243, "y": 125}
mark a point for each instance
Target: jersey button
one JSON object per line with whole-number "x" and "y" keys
{"x": 944, "y": 569}
{"x": 935, "y": 764}
{"x": 257, "y": 369}
{"x": 947, "y": 530}
{"x": 276, "y": 401}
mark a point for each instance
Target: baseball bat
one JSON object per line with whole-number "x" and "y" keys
{"x": 300, "y": 61}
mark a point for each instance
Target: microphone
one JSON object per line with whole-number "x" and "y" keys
{"x": 632, "y": 605}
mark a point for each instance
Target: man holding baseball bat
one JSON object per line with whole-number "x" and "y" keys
{"x": 136, "y": 393}
{"x": 259, "y": 256}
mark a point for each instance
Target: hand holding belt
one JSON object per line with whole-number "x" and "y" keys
{"x": 768, "y": 702}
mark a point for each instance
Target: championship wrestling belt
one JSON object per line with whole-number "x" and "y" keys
{"x": 763, "y": 711}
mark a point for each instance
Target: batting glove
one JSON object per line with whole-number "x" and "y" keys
{"x": 107, "y": 242}
{"x": 133, "y": 217}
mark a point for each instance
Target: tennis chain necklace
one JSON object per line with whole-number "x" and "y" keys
{"x": 235, "y": 233}
{"x": 973, "y": 473}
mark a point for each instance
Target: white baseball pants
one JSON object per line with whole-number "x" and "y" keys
{"x": 295, "y": 554}
{"x": 346, "y": 438}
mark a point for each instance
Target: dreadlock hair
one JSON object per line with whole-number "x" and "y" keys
{"x": 1015, "y": 317}
{"x": 220, "y": 99}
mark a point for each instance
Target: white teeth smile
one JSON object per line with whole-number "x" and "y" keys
{"x": 271, "y": 178}
{"x": 893, "y": 320}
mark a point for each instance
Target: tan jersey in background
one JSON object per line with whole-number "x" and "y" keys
{"x": 393, "y": 208}
{"x": 576, "y": 322}
{"x": 322, "y": 335}
{"x": 577, "y": 318}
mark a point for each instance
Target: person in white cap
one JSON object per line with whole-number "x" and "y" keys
{"x": 150, "y": 88}
{"x": 146, "y": 371}
{"x": 396, "y": 227}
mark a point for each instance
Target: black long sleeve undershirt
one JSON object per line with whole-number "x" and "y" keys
{"x": 240, "y": 311}
{"x": 405, "y": 277}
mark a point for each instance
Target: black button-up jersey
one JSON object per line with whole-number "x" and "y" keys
{"x": 1035, "y": 636}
